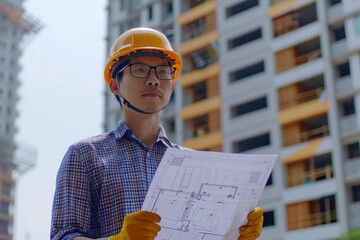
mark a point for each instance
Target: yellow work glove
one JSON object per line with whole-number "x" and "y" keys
{"x": 139, "y": 225}
{"x": 252, "y": 229}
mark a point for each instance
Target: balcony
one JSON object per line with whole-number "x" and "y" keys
{"x": 294, "y": 20}
{"x": 309, "y": 171}
{"x": 311, "y": 213}
{"x": 203, "y": 132}
{"x": 298, "y": 55}
{"x": 305, "y": 130}
{"x": 199, "y": 27}
{"x": 195, "y": 76}
{"x": 191, "y": 9}
{"x": 301, "y": 92}
{"x": 201, "y": 107}
{"x": 200, "y": 59}
{"x": 201, "y": 42}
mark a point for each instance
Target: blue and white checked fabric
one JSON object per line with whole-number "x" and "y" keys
{"x": 102, "y": 179}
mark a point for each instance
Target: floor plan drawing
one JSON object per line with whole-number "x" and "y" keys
{"x": 206, "y": 195}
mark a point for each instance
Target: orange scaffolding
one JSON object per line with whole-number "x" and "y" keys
{"x": 27, "y": 23}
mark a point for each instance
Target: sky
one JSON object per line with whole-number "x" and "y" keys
{"x": 61, "y": 100}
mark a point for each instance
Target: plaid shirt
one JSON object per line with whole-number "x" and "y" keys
{"x": 102, "y": 179}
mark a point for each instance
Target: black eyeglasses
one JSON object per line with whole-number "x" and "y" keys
{"x": 142, "y": 70}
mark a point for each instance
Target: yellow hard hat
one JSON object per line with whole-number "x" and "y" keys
{"x": 141, "y": 39}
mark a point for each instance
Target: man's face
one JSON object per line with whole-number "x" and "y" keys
{"x": 150, "y": 93}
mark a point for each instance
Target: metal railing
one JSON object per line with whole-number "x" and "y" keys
{"x": 300, "y": 60}
{"x": 311, "y": 220}
{"x": 305, "y": 136}
{"x": 299, "y": 98}
{"x": 310, "y": 176}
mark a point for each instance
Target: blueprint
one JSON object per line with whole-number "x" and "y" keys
{"x": 206, "y": 195}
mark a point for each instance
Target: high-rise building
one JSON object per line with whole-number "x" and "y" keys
{"x": 15, "y": 29}
{"x": 274, "y": 77}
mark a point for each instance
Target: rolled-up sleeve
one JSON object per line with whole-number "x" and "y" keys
{"x": 71, "y": 215}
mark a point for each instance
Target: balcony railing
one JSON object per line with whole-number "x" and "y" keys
{"x": 308, "y": 135}
{"x": 301, "y": 98}
{"x": 285, "y": 24}
{"x": 198, "y": 28}
{"x": 299, "y": 60}
{"x": 314, "y": 219}
{"x": 311, "y": 176}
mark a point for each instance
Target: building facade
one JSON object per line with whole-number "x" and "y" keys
{"x": 15, "y": 30}
{"x": 274, "y": 76}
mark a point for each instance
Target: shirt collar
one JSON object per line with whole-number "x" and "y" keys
{"x": 122, "y": 128}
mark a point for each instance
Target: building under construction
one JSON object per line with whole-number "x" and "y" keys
{"x": 267, "y": 76}
{"x": 16, "y": 28}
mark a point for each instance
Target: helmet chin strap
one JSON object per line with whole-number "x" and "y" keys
{"x": 129, "y": 105}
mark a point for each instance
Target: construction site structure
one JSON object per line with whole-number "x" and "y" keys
{"x": 16, "y": 29}
{"x": 265, "y": 77}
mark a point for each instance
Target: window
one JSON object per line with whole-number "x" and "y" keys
{"x": 353, "y": 150}
{"x": 343, "y": 69}
{"x": 339, "y": 33}
{"x": 333, "y": 2}
{"x": 241, "y": 7}
{"x": 269, "y": 218}
{"x": 244, "y": 39}
{"x": 252, "y": 143}
{"x": 355, "y": 193}
{"x": 247, "y": 71}
{"x": 169, "y": 7}
{"x": 348, "y": 107}
{"x": 248, "y": 107}
{"x": 150, "y": 12}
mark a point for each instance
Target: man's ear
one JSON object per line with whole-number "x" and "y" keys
{"x": 113, "y": 86}
{"x": 172, "y": 88}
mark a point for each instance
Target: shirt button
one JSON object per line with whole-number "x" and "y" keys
{"x": 148, "y": 154}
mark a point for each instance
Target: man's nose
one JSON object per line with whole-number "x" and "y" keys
{"x": 152, "y": 80}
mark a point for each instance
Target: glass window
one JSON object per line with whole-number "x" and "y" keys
{"x": 248, "y": 107}
{"x": 269, "y": 218}
{"x": 241, "y": 7}
{"x": 355, "y": 193}
{"x": 353, "y": 150}
{"x": 348, "y": 107}
{"x": 247, "y": 71}
{"x": 333, "y": 2}
{"x": 339, "y": 33}
{"x": 252, "y": 143}
{"x": 244, "y": 39}
{"x": 343, "y": 69}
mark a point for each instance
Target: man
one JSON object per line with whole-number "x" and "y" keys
{"x": 103, "y": 180}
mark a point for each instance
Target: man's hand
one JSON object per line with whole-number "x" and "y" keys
{"x": 252, "y": 229}
{"x": 139, "y": 225}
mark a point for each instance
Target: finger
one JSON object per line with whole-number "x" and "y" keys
{"x": 147, "y": 216}
{"x": 148, "y": 226}
{"x": 257, "y": 212}
{"x": 248, "y": 231}
{"x": 255, "y": 221}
